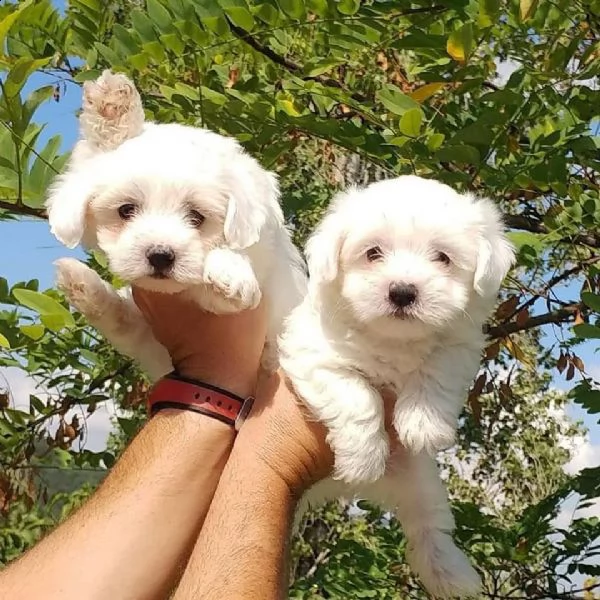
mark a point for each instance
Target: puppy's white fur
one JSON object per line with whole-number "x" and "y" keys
{"x": 169, "y": 173}
{"x": 347, "y": 341}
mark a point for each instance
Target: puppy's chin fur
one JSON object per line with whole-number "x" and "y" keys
{"x": 175, "y": 209}
{"x": 447, "y": 254}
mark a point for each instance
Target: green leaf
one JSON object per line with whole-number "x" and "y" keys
{"x": 591, "y": 300}
{"x": 4, "y": 342}
{"x": 489, "y": 11}
{"x": 212, "y": 17}
{"x": 20, "y": 72}
{"x": 129, "y": 426}
{"x": 11, "y": 19}
{"x": 527, "y": 8}
{"x": 156, "y": 51}
{"x": 435, "y": 140}
{"x": 143, "y": 25}
{"x": 587, "y": 331}
{"x": 45, "y": 306}
{"x": 460, "y": 43}
{"x": 410, "y": 123}
{"x": 348, "y": 7}
{"x": 88, "y": 75}
{"x": 525, "y": 238}
{"x": 459, "y": 154}
{"x": 268, "y": 13}
{"x": 54, "y": 322}
{"x": 238, "y": 12}
{"x": 160, "y": 16}
{"x": 109, "y": 459}
{"x": 293, "y": 8}
{"x": 33, "y": 102}
{"x": 37, "y": 404}
{"x": 394, "y": 100}
{"x": 126, "y": 39}
{"x": 588, "y": 398}
{"x": 173, "y": 42}
{"x": 140, "y": 61}
{"x": 320, "y": 66}
{"x": 35, "y": 332}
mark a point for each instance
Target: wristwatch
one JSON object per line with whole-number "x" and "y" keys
{"x": 176, "y": 391}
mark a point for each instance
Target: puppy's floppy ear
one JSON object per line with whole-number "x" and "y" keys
{"x": 112, "y": 111}
{"x": 496, "y": 254}
{"x": 254, "y": 199}
{"x": 67, "y": 205}
{"x": 323, "y": 247}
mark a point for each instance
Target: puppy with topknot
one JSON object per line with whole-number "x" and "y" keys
{"x": 176, "y": 209}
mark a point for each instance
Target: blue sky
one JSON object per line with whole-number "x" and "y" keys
{"x": 28, "y": 242}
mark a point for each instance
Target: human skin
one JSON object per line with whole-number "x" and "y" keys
{"x": 133, "y": 537}
{"x": 242, "y": 549}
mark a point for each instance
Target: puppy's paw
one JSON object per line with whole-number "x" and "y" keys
{"x": 112, "y": 110}
{"x": 361, "y": 461}
{"x": 83, "y": 287}
{"x": 232, "y": 276}
{"x": 443, "y": 568}
{"x": 421, "y": 429}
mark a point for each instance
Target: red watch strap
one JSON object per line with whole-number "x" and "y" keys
{"x": 174, "y": 391}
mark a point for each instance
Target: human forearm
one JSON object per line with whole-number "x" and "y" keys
{"x": 242, "y": 549}
{"x": 133, "y": 537}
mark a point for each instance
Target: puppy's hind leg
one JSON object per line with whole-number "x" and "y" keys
{"x": 414, "y": 492}
{"x": 115, "y": 315}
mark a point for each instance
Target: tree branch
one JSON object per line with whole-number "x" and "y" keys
{"x": 558, "y": 278}
{"x": 294, "y": 67}
{"x": 287, "y": 63}
{"x": 19, "y": 208}
{"x": 524, "y": 223}
{"x": 562, "y": 315}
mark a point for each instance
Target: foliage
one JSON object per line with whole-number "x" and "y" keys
{"x": 330, "y": 92}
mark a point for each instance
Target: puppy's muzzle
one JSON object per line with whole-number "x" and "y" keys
{"x": 402, "y": 295}
{"x": 161, "y": 259}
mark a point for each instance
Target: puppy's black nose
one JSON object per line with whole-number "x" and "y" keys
{"x": 402, "y": 295}
{"x": 161, "y": 258}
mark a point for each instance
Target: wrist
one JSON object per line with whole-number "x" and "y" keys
{"x": 297, "y": 459}
{"x": 194, "y": 428}
{"x": 175, "y": 391}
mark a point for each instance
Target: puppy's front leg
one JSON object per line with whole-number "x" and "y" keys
{"x": 429, "y": 403}
{"x": 114, "y": 315}
{"x": 352, "y": 411}
{"x": 413, "y": 491}
{"x": 231, "y": 274}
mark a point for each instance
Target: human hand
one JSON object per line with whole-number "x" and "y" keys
{"x": 282, "y": 434}
{"x": 223, "y": 350}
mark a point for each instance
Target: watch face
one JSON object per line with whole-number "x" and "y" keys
{"x": 244, "y": 412}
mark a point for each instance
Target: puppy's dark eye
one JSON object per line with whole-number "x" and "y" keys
{"x": 196, "y": 218}
{"x": 374, "y": 254}
{"x": 442, "y": 257}
{"x": 127, "y": 211}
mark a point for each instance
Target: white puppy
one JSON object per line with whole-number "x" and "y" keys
{"x": 175, "y": 209}
{"x": 402, "y": 276}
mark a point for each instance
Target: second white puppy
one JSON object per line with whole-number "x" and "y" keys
{"x": 176, "y": 210}
{"x": 402, "y": 276}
